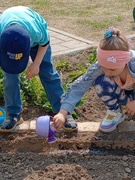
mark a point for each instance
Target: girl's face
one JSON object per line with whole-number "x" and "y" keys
{"x": 112, "y": 72}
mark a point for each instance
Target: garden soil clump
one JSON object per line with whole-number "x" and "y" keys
{"x": 74, "y": 156}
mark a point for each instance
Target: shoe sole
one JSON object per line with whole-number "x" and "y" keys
{"x": 70, "y": 120}
{"x": 113, "y": 128}
{"x": 70, "y": 129}
{"x": 10, "y": 130}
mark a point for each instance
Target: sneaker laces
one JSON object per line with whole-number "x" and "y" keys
{"x": 110, "y": 117}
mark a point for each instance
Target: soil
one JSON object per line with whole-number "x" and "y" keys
{"x": 74, "y": 156}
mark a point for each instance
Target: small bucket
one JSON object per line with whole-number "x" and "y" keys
{"x": 2, "y": 115}
{"x": 44, "y": 128}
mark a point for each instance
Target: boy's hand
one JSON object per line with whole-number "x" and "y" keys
{"x": 59, "y": 120}
{"x": 32, "y": 71}
{"x": 130, "y": 108}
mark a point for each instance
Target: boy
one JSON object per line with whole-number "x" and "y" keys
{"x": 24, "y": 33}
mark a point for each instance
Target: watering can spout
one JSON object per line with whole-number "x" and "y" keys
{"x": 51, "y": 134}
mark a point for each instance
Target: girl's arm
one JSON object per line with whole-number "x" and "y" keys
{"x": 74, "y": 93}
{"x": 78, "y": 88}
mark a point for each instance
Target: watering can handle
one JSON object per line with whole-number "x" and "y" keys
{"x": 51, "y": 118}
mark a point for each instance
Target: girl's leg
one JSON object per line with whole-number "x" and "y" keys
{"x": 113, "y": 97}
{"x": 49, "y": 79}
{"x": 109, "y": 92}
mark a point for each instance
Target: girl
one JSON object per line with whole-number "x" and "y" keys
{"x": 113, "y": 76}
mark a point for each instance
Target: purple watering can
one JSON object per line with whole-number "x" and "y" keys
{"x": 44, "y": 129}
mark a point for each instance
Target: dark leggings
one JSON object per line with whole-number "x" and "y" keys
{"x": 111, "y": 94}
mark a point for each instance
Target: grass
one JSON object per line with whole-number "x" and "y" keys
{"x": 84, "y": 18}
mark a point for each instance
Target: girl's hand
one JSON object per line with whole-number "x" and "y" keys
{"x": 59, "y": 120}
{"x": 130, "y": 107}
{"x": 32, "y": 71}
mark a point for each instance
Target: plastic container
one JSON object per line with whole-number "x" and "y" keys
{"x": 44, "y": 128}
{"x": 2, "y": 115}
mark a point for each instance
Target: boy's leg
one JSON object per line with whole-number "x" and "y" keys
{"x": 49, "y": 79}
{"x": 113, "y": 97}
{"x": 12, "y": 95}
{"x": 13, "y": 104}
{"x": 52, "y": 84}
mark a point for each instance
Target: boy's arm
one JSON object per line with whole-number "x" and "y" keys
{"x": 40, "y": 54}
{"x": 33, "y": 69}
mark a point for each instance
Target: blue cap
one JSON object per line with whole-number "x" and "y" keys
{"x": 14, "y": 49}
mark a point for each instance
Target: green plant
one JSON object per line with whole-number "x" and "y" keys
{"x": 38, "y": 94}
{"x": 74, "y": 75}
{"x": 62, "y": 65}
{"x": 92, "y": 57}
{"x": 32, "y": 91}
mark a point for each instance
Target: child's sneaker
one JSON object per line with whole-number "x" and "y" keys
{"x": 11, "y": 122}
{"x": 111, "y": 120}
{"x": 70, "y": 124}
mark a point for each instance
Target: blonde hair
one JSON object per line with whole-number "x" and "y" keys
{"x": 116, "y": 41}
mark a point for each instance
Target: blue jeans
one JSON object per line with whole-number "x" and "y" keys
{"x": 49, "y": 78}
{"x": 111, "y": 94}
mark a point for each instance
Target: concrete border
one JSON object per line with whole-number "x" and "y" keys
{"x": 123, "y": 138}
{"x": 126, "y": 126}
{"x": 72, "y": 36}
{"x": 63, "y": 43}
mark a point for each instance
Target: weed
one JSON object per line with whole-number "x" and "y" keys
{"x": 62, "y": 65}
{"x": 32, "y": 91}
{"x": 92, "y": 57}
{"x": 118, "y": 18}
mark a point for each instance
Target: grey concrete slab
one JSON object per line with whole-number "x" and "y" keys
{"x": 65, "y": 43}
